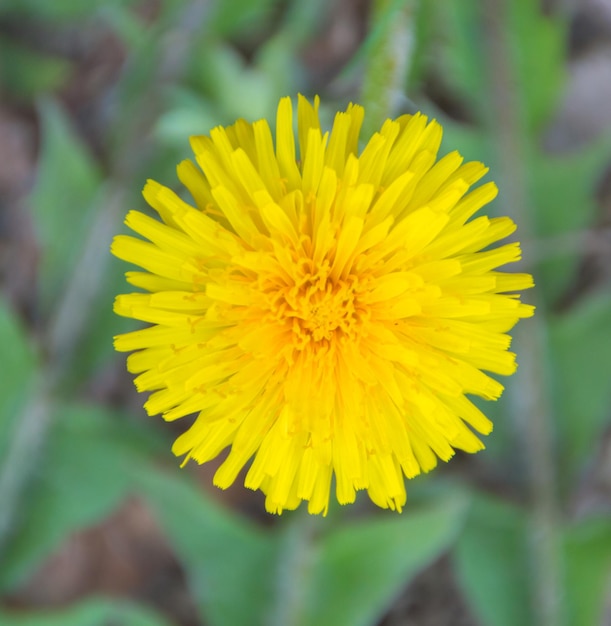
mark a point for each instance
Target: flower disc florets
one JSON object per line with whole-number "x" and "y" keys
{"x": 324, "y": 314}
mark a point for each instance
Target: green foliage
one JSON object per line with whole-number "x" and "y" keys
{"x": 562, "y": 189}
{"x": 61, "y": 11}
{"x": 16, "y": 381}
{"x": 587, "y": 562}
{"x": 231, "y": 18}
{"x": 360, "y": 568}
{"x": 89, "y": 613}
{"x": 68, "y": 181}
{"x": 26, "y": 74}
{"x": 239, "y": 90}
{"x": 88, "y": 470}
{"x": 221, "y": 553}
{"x": 492, "y": 562}
{"x": 581, "y": 361}
{"x": 536, "y": 45}
{"x": 187, "y": 114}
{"x": 306, "y": 574}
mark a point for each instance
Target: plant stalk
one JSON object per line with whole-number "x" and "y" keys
{"x": 529, "y": 393}
{"x": 388, "y": 60}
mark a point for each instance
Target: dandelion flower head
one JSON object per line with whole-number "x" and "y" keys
{"x": 324, "y": 311}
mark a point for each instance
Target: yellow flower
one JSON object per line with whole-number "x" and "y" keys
{"x": 326, "y": 313}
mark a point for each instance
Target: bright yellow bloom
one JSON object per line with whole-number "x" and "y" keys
{"x": 323, "y": 313}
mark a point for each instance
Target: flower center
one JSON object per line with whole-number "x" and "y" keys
{"x": 317, "y": 308}
{"x": 321, "y": 310}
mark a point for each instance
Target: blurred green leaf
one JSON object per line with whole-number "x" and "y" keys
{"x": 239, "y": 90}
{"x": 302, "y": 21}
{"x": 66, "y": 185}
{"x": 88, "y": 469}
{"x": 588, "y": 567}
{"x": 245, "y": 17}
{"x": 26, "y": 74}
{"x": 534, "y": 43}
{"x": 537, "y": 45}
{"x": 376, "y": 36}
{"x": 62, "y": 10}
{"x": 188, "y": 114}
{"x": 16, "y": 380}
{"x": 97, "y": 612}
{"x": 96, "y": 349}
{"x": 473, "y": 143}
{"x": 347, "y": 576}
{"x": 361, "y": 567}
{"x": 581, "y": 362}
{"x": 491, "y": 559}
{"x": 228, "y": 561}
{"x": 461, "y": 52}
{"x": 562, "y": 189}
{"x": 277, "y": 60}
{"x": 424, "y": 31}
{"x": 125, "y": 22}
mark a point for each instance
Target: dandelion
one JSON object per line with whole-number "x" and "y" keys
{"x": 324, "y": 314}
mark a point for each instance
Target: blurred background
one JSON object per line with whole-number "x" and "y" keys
{"x": 98, "y": 525}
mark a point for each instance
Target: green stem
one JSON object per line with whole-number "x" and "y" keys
{"x": 292, "y": 576}
{"x": 529, "y": 395}
{"x": 388, "y": 59}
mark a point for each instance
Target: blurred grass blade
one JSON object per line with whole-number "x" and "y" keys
{"x": 227, "y": 560}
{"x": 232, "y": 17}
{"x": 17, "y": 385}
{"x": 536, "y": 50}
{"x": 360, "y": 568}
{"x": 562, "y": 189}
{"x": 66, "y": 10}
{"x": 588, "y": 566}
{"x": 66, "y": 184}
{"x": 95, "y": 612}
{"x": 491, "y": 559}
{"x": 18, "y": 366}
{"x": 581, "y": 359}
{"x": 26, "y": 74}
{"x": 86, "y": 472}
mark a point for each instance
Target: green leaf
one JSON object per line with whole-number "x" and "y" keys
{"x": 533, "y": 43}
{"x": 491, "y": 560}
{"x": 537, "y": 48}
{"x": 302, "y": 21}
{"x": 228, "y": 561}
{"x": 347, "y": 575}
{"x": 64, "y": 10}
{"x": 423, "y": 27}
{"x": 96, "y": 347}
{"x": 472, "y": 143}
{"x": 581, "y": 360}
{"x": 124, "y": 22}
{"x": 361, "y": 567}
{"x": 97, "y": 612}
{"x": 86, "y": 471}
{"x": 66, "y": 185}
{"x": 26, "y": 74}
{"x": 233, "y": 17}
{"x": 588, "y": 567}
{"x": 562, "y": 190}
{"x": 239, "y": 90}
{"x": 461, "y": 50}
{"x": 188, "y": 114}
{"x": 16, "y": 380}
